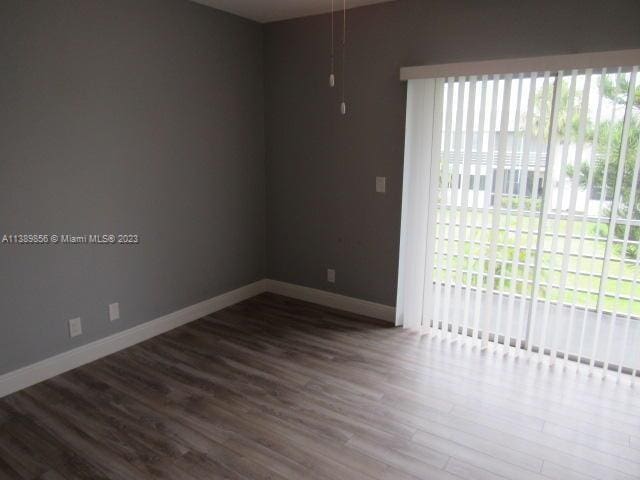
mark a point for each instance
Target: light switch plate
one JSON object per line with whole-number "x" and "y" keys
{"x": 381, "y": 184}
{"x": 114, "y": 311}
{"x": 75, "y": 327}
{"x": 331, "y": 275}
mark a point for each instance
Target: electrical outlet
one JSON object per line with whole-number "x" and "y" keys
{"x": 75, "y": 327}
{"x": 331, "y": 275}
{"x": 381, "y": 184}
{"x": 114, "y": 311}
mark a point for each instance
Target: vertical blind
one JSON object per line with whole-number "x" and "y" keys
{"x": 521, "y": 214}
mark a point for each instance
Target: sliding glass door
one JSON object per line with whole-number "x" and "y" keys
{"x": 532, "y": 212}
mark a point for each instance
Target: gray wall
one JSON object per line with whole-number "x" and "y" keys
{"x": 322, "y": 207}
{"x": 132, "y": 116}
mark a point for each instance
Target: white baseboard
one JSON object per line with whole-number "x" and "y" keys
{"x": 333, "y": 300}
{"x": 52, "y": 366}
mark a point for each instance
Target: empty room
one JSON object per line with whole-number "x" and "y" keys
{"x": 320, "y": 239}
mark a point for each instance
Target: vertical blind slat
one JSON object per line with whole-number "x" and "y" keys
{"x": 542, "y": 223}
{"x": 488, "y": 190}
{"x": 583, "y": 224}
{"x": 510, "y": 194}
{"x": 466, "y": 172}
{"x": 538, "y": 174}
{"x": 545, "y": 341}
{"x": 603, "y": 195}
{"x": 577, "y": 162}
{"x": 453, "y": 179}
{"x": 497, "y": 199}
{"x": 524, "y": 169}
{"x": 442, "y": 194}
{"x": 476, "y": 188}
{"x": 432, "y": 206}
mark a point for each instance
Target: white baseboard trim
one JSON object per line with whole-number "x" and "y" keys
{"x": 37, "y": 372}
{"x": 50, "y": 367}
{"x": 333, "y": 300}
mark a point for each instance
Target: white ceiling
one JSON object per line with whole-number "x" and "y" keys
{"x": 272, "y": 10}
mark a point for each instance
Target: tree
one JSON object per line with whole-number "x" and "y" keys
{"x": 561, "y": 117}
{"x": 608, "y": 146}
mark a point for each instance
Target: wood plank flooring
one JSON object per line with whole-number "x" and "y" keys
{"x": 274, "y": 388}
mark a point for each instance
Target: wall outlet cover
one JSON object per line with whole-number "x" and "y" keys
{"x": 114, "y": 311}
{"x": 331, "y": 275}
{"x": 381, "y": 184}
{"x": 75, "y": 327}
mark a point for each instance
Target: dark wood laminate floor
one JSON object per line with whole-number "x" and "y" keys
{"x": 280, "y": 389}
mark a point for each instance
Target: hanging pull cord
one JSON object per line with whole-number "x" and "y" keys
{"x": 332, "y": 77}
{"x": 343, "y": 105}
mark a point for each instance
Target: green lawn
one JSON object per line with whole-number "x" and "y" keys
{"x": 581, "y": 288}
